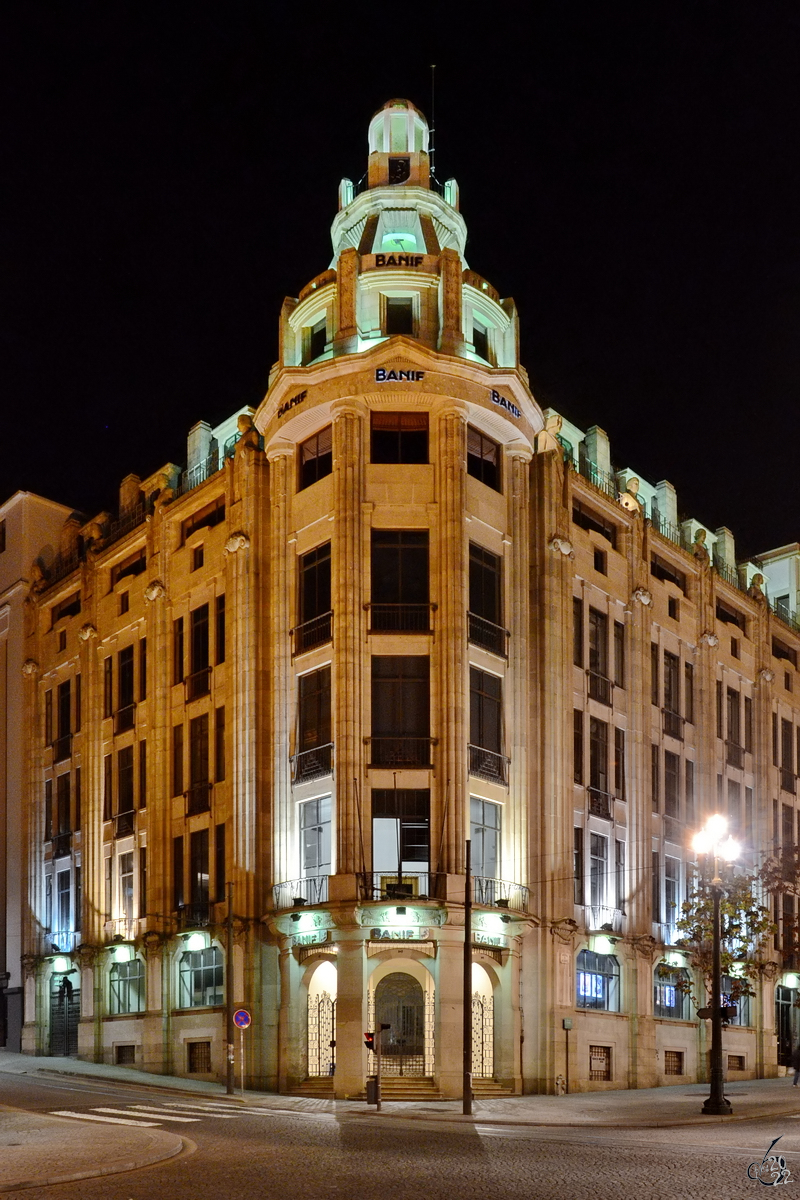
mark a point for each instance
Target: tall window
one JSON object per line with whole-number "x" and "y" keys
{"x": 734, "y": 717}
{"x": 108, "y": 686}
{"x": 125, "y": 692}
{"x": 64, "y": 899}
{"x": 480, "y": 339}
{"x": 177, "y": 872}
{"x": 126, "y": 987}
{"x": 670, "y": 994}
{"x": 672, "y": 889}
{"x": 177, "y": 651}
{"x": 315, "y": 837}
{"x": 598, "y": 755}
{"x": 598, "y": 981}
{"x": 177, "y": 760}
{"x": 399, "y": 437}
{"x": 599, "y": 683}
{"x": 486, "y": 725}
{"x": 485, "y": 605}
{"x": 142, "y": 668}
{"x": 577, "y": 631}
{"x": 688, "y": 692}
{"x": 619, "y": 654}
{"x": 199, "y": 659}
{"x": 672, "y": 695}
{"x": 315, "y": 337}
{"x": 672, "y": 766}
{"x": 314, "y": 734}
{"x": 485, "y": 821}
{"x": 219, "y": 745}
{"x": 198, "y": 872}
{"x": 483, "y": 458}
{"x": 199, "y": 787}
{"x": 315, "y": 457}
{"x": 314, "y": 599}
{"x": 63, "y": 718}
{"x": 125, "y": 780}
{"x": 619, "y": 874}
{"x": 619, "y": 763}
{"x": 401, "y": 835}
{"x": 654, "y": 688}
{"x": 400, "y": 581}
{"x": 399, "y": 315}
{"x": 63, "y": 823}
{"x": 577, "y": 746}
{"x": 598, "y": 869}
{"x": 200, "y": 982}
{"x": 400, "y": 710}
{"x": 219, "y": 629}
{"x": 577, "y": 865}
{"x": 125, "y": 862}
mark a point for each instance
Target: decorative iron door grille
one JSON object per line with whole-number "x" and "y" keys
{"x": 65, "y": 1009}
{"x": 409, "y": 1053}
{"x": 599, "y": 1064}
{"x": 482, "y": 1036}
{"x": 321, "y": 1035}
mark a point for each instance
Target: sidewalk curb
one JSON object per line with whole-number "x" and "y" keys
{"x": 578, "y": 1123}
{"x": 178, "y": 1144}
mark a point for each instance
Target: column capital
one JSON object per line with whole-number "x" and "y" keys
{"x": 518, "y": 449}
{"x": 280, "y": 449}
{"x": 345, "y": 407}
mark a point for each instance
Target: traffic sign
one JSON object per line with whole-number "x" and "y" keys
{"x": 241, "y": 1018}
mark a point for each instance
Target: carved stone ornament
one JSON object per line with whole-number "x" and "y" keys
{"x": 153, "y": 941}
{"x": 86, "y": 632}
{"x": 766, "y": 674}
{"x": 709, "y": 639}
{"x": 564, "y": 929}
{"x": 29, "y": 667}
{"x": 29, "y": 964}
{"x": 562, "y": 545}
{"x": 642, "y": 596}
{"x": 87, "y": 954}
{"x": 645, "y": 946}
{"x": 237, "y": 541}
{"x": 155, "y": 590}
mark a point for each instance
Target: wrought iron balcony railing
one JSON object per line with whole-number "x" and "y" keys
{"x": 600, "y": 803}
{"x": 195, "y": 916}
{"x": 600, "y": 687}
{"x": 488, "y": 764}
{"x": 312, "y": 764}
{"x": 487, "y": 635}
{"x": 400, "y": 752}
{"x": 124, "y": 823}
{"x": 61, "y": 941}
{"x": 62, "y": 748}
{"x": 417, "y": 885}
{"x": 198, "y": 798}
{"x": 315, "y": 632}
{"x": 62, "y": 845}
{"x": 295, "y": 893}
{"x": 125, "y": 928}
{"x": 603, "y": 918}
{"x": 499, "y": 893}
{"x": 198, "y": 683}
{"x": 400, "y": 618}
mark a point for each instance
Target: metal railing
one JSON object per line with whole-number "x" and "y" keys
{"x": 312, "y": 764}
{"x": 488, "y": 764}
{"x": 600, "y": 687}
{"x": 726, "y": 572}
{"x": 499, "y": 893}
{"x": 198, "y": 798}
{"x": 125, "y": 523}
{"x": 195, "y": 916}
{"x": 600, "y": 803}
{"x": 788, "y": 783}
{"x": 785, "y": 614}
{"x": 400, "y": 751}
{"x": 593, "y": 474}
{"x": 734, "y": 755}
{"x": 125, "y": 718}
{"x": 62, "y": 748}
{"x": 62, "y": 845}
{"x": 126, "y": 928}
{"x": 399, "y": 618}
{"x": 198, "y": 683}
{"x": 314, "y": 632}
{"x": 62, "y": 566}
{"x": 487, "y": 635}
{"x": 671, "y": 532}
{"x": 600, "y": 916}
{"x": 124, "y": 823}
{"x": 61, "y": 941}
{"x": 196, "y": 475}
{"x": 386, "y": 885}
{"x": 673, "y": 723}
{"x": 295, "y": 893}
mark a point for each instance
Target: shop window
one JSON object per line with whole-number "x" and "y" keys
{"x": 315, "y": 457}
{"x": 597, "y": 981}
{"x": 483, "y": 458}
{"x": 670, "y": 997}
{"x": 399, "y": 437}
{"x": 127, "y": 987}
{"x": 200, "y": 983}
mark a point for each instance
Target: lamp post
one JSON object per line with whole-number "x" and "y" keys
{"x": 712, "y": 840}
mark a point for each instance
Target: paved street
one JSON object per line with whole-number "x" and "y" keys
{"x": 235, "y": 1150}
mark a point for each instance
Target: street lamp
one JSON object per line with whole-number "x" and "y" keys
{"x": 712, "y": 840}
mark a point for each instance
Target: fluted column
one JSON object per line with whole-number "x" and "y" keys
{"x": 348, "y": 618}
{"x": 92, "y": 865}
{"x": 515, "y": 837}
{"x": 453, "y": 732}
{"x": 284, "y": 864}
{"x": 159, "y": 757}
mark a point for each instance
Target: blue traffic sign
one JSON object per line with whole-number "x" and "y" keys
{"x": 241, "y": 1018}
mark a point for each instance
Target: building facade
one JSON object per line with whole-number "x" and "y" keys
{"x": 395, "y": 610}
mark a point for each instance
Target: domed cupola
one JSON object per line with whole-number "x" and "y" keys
{"x": 398, "y": 146}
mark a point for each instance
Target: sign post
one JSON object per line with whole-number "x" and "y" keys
{"x": 241, "y": 1019}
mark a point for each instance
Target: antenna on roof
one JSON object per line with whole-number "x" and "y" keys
{"x": 432, "y": 130}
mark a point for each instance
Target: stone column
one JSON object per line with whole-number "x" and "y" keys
{"x": 448, "y": 1035}
{"x": 452, "y": 337}
{"x": 351, "y": 1015}
{"x": 346, "y": 332}
{"x": 283, "y": 859}
{"x": 451, "y": 642}
{"x": 159, "y": 757}
{"x": 517, "y": 600}
{"x": 348, "y": 637}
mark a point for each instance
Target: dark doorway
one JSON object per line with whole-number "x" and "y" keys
{"x": 400, "y": 1004}
{"x": 65, "y": 1008}
{"x": 787, "y": 1022}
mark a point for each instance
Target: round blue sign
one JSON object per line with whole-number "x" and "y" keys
{"x": 241, "y": 1018}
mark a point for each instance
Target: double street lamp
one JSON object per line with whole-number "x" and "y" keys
{"x": 712, "y": 840}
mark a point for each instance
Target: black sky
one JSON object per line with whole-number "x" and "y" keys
{"x": 629, "y": 173}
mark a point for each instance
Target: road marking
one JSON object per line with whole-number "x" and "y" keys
{"x": 106, "y": 1120}
{"x": 148, "y": 1108}
{"x": 206, "y": 1111}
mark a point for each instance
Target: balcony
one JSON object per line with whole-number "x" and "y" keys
{"x": 128, "y": 520}
{"x": 399, "y": 618}
{"x": 603, "y": 918}
{"x": 124, "y": 823}
{"x": 62, "y": 845}
{"x": 498, "y": 893}
{"x": 600, "y": 688}
{"x": 123, "y": 929}
{"x": 416, "y": 885}
{"x": 198, "y": 474}
{"x": 487, "y": 764}
{"x": 315, "y": 632}
{"x": 788, "y": 783}
{"x": 62, "y": 748}
{"x": 195, "y": 916}
{"x": 600, "y": 803}
{"x": 734, "y": 756}
{"x": 312, "y": 764}
{"x": 198, "y": 798}
{"x": 125, "y": 718}
{"x": 60, "y": 941}
{"x": 673, "y": 723}
{"x": 312, "y": 889}
{"x": 487, "y": 635}
{"x": 198, "y": 683}
{"x": 400, "y": 752}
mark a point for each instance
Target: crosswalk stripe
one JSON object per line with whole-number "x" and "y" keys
{"x": 206, "y": 1112}
{"x": 157, "y": 1112}
{"x": 64, "y": 1112}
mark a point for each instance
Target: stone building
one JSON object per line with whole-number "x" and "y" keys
{"x": 396, "y": 608}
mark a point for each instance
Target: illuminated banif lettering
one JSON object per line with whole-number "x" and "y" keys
{"x": 295, "y": 400}
{"x": 315, "y": 938}
{"x": 487, "y": 939}
{"x": 384, "y": 376}
{"x": 398, "y": 260}
{"x": 501, "y": 401}
{"x": 400, "y": 935}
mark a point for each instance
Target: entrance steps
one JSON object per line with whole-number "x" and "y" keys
{"x": 488, "y": 1089}
{"x": 408, "y": 1087}
{"x": 319, "y": 1088}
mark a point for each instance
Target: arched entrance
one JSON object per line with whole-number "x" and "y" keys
{"x": 482, "y": 1024}
{"x": 322, "y": 1021}
{"x": 400, "y": 1004}
{"x": 65, "y": 1009}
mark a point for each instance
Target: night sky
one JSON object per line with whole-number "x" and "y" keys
{"x": 628, "y": 173}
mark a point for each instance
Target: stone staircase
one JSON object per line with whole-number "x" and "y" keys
{"x": 320, "y": 1088}
{"x": 488, "y": 1089}
{"x": 405, "y": 1087}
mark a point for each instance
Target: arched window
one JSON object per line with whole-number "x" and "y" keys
{"x": 126, "y": 983}
{"x": 670, "y": 998}
{"x": 200, "y": 982}
{"x": 731, "y": 996}
{"x": 598, "y": 981}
